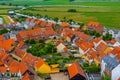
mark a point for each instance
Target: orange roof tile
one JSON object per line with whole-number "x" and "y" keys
{"x": 38, "y": 22}
{"x": 68, "y": 32}
{"x": 20, "y": 45}
{"x": 118, "y": 78}
{"x": 23, "y": 67}
{"x": 82, "y": 36}
{"x": 30, "y": 59}
{"x": 83, "y": 44}
{"x": 40, "y": 63}
{"x": 116, "y": 52}
{"x": 75, "y": 69}
{"x": 96, "y": 40}
{"x": 14, "y": 69}
{"x": 65, "y": 24}
{"x": 28, "y": 20}
{"x": 2, "y": 37}
{"x": 32, "y": 20}
{"x": 3, "y": 69}
{"x": 29, "y": 34}
{"x": 94, "y": 23}
{"x": 48, "y": 31}
{"x": 26, "y": 77}
{"x": 102, "y": 46}
{"x": 43, "y": 23}
{"x": 113, "y": 41}
{"x": 20, "y": 53}
{"x": 7, "y": 44}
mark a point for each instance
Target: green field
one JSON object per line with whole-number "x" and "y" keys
{"x": 105, "y": 11}
{"x": 61, "y": 2}
{"x": 107, "y": 15}
{"x": 4, "y": 9}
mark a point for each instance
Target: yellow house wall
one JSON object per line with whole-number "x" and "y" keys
{"x": 44, "y": 69}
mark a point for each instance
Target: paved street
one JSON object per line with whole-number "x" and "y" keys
{"x": 59, "y": 76}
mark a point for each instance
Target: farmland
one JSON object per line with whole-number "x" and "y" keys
{"x": 4, "y": 9}
{"x": 107, "y": 15}
{"x": 60, "y": 2}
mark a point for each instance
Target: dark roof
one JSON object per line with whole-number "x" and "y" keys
{"x": 111, "y": 62}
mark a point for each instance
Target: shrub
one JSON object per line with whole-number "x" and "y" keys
{"x": 72, "y": 10}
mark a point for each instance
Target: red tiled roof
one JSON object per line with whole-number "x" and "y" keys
{"x": 20, "y": 53}
{"x": 102, "y": 46}
{"x": 65, "y": 24}
{"x": 27, "y": 77}
{"x": 2, "y": 37}
{"x": 94, "y": 23}
{"x": 48, "y": 31}
{"x": 83, "y": 44}
{"x": 43, "y": 23}
{"x": 3, "y": 69}
{"x": 96, "y": 40}
{"x": 118, "y": 78}
{"x": 39, "y": 63}
{"x": 38, "y": 22}
{"x": 7, "y": 44}
{"x": 23, "y": 67}
{"x": 82, "y": 36}
{"x": 68, "y": 32}
{"x": 28, "y": 58}
{"x": 20, "y": 45}
{"x": 116, "y": 52}
{"x": 75, "y": 69}
{"x": 29, "y": 34}
{"x": 113, "y": 41}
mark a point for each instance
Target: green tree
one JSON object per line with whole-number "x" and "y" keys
{"x": 107, "y": 37}
{"x": 2, "y": 31}
{"x": 72, "y": 10}
{"x": 32, "y": 41}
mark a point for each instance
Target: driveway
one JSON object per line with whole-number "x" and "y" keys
{"x": 59, "y": 76}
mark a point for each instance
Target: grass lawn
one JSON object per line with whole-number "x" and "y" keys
{"x": 107, "y": 15}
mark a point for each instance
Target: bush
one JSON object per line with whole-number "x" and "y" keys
{"x": 72, "y": 10}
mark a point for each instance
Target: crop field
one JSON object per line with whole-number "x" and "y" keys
{"x": 4, "y": 9}
{"x": 107, "y": 15}
{"x": 61, "y": 2}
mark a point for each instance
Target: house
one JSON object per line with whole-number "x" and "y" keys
{"x": 48, "y": 32}
{"x": 82, "y": 36}
{"x": 29, "y": 34}
{"x": 116, "y": 53}
{"x": 29, "y": 59}
{"x": 61, "y": 48}
{"x": 7, "y": 45}
{"x": 95, "y": 26}
{"x": 83, "y": 46}
{"x": 2, "y": 37}
{"x": 116, "y": 73}
{"x": 11, "y": 35}
{"x": 108, "y": 63}
{"x": 67, "y": 34}
{"x": 24, "y": 68}
{"x": 76, "y": 72}
{"x": 113, "y": 43}
{"x": 88, "y": 56}
{"x": 65, "y": 24}
{"x": 42, "y": 66}
{"x": 103, "y": 47}
{"x": 27, "y": 77}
